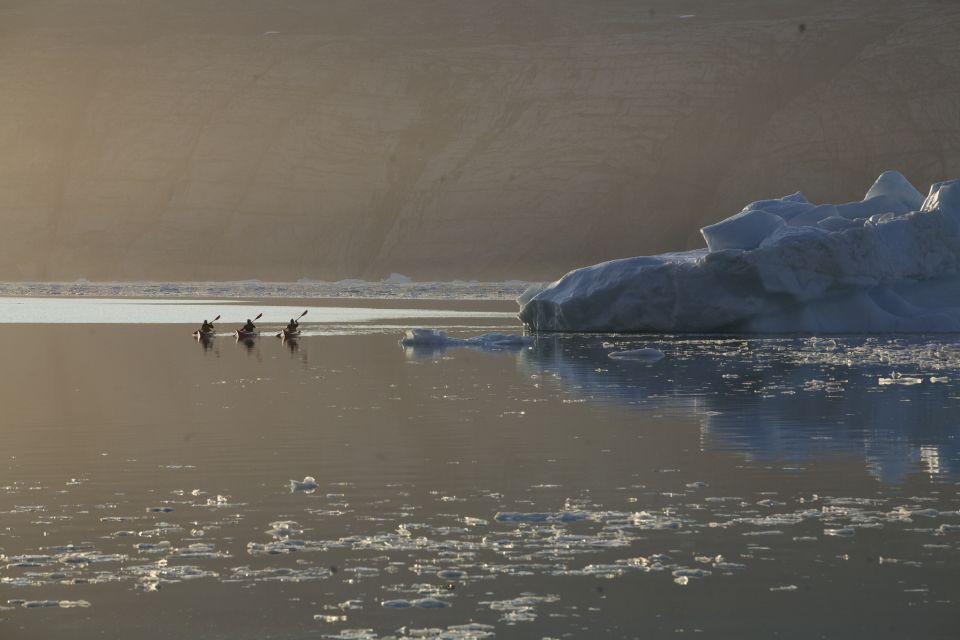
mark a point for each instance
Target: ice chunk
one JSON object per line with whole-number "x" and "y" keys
{"x": 308, "y": 484}
{"x": 648, "y": 354}
{"x": 436, "y": 339}
{"x": 872, "y": 266}
{"x": 746, "y": 230}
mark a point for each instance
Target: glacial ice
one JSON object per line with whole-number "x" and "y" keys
{"x": 435, "y": 339}
{"x": 887, "y": 263}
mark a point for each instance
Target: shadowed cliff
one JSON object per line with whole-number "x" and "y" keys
{"x": 234, "y": 139}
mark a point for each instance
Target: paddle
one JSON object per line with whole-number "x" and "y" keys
{"x": 298, "y": 317}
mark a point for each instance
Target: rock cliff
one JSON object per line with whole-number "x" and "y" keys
{"x": 208, "y": 139}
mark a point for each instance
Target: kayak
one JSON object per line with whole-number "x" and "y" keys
{"x": 289, "y": 335}
{"x": 204, "y": 335}
{"x": 245, "y": 334}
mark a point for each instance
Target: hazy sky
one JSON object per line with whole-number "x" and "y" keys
{"x": 204, "y": 139}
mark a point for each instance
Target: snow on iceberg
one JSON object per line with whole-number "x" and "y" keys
{"x": 888, "y": 263}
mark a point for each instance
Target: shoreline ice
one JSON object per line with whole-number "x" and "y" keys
{"x": 889, "y": 263}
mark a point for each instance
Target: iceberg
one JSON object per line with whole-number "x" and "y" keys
{"x": 887, "y": 263}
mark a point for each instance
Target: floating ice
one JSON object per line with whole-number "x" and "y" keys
{"x": 307, "y": 485}
{"x": 887, "y": 263}
{"x": 897, "y": 378}
{"x": 563, "y": 516}
{"x": 421, "y": 603}
{"x": 48, "y": 604}
{"x": 648, "y": 354}
{"x": 435, "y": 339}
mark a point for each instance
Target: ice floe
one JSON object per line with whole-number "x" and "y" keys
{"x": 436, "y": 339}
{"x": 646, "y": 354}
{"x": 307, "y": 485}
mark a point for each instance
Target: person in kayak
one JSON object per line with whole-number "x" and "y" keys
{"x": 249, "y": 327}
{"x": 206, "y": 327}
{"x": 293, "y": 327}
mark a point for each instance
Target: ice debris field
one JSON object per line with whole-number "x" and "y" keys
{"x": 888, "y": 263}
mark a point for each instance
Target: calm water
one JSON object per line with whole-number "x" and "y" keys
{"x": 737, "y": 488}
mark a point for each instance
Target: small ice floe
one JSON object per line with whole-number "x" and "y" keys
{"x": 559, "y": 517}
{"x": 899, "y": 378}
{"x": 939, "y": 379}
{"x": 435, "y": 339}
{"x": 452, "y": 574}
{"x": 690, "y": 573}
{"x": 199, "y": 551}
{"x": 844, "y": 532}
{"x": 307, "y": 485}
{"x": 521, "y": 609}
{"x": 284, "y": 529}
{"x": 50, "y": 604}
{"x": 786, "y": 587}
{"x": 329, "y": 619}
{"x": 281, "y": 574}
{"x": 948, "y": 528}
{"x": 646, "y": 354}
{"x": 421, "y": 603}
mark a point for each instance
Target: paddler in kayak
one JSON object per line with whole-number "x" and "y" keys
{"x": 293, "y": 327}
{"x": 206, "y": 327}
{"x": 249, "y": 327}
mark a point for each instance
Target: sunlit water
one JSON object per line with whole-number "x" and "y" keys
{"x": 789, "y": 487}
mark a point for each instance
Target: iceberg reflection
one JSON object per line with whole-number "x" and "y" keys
{"x": 889, "y": 399}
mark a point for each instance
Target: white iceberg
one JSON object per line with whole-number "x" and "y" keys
{"x": 888, "y": 263}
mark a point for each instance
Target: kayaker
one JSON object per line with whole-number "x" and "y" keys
{"x": 206, "y": 327}
{"x": 293, "y": 326}
{"x": 249, "y": 327}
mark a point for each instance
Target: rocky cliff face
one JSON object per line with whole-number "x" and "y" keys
{"x": 207, "y": 139}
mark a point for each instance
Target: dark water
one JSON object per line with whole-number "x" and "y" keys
{"x": 735, "y": 488}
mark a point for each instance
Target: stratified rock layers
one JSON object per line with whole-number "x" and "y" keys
{"x": 207, "y": 140}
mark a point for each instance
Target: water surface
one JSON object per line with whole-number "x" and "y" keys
{"x": 735, "y": 488}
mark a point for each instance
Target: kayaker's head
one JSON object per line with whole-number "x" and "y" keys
{"x": 248, "y": 321}
{"x": 205, "y": 322}
{"x": 291, "y": 320}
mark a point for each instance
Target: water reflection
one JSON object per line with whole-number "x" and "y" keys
{"x": 249, "y": 343}
{"x": 291, "y": 343}
{"x": 781, "y": 398}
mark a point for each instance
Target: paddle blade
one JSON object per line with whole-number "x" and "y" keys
{"x": 303, "y": 314}
{"x": 258, "y": 316}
